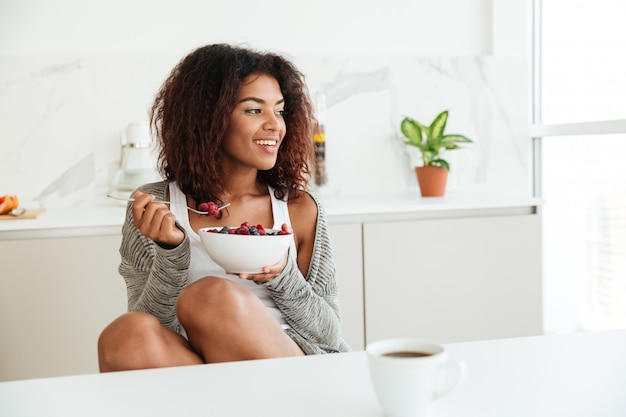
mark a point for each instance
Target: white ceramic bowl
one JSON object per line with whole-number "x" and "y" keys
{"x": 244, "y": 254}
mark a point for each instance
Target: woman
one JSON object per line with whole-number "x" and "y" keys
{"x": 234, "y": 125}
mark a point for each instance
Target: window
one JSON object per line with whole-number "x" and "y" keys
{"x": 579, "y": 131}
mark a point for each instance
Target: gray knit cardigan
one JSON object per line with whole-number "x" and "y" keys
{"x": 155, "y": 277}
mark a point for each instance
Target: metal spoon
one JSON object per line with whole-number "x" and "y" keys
{"x": 168, "y": 202}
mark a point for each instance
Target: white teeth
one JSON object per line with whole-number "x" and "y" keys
{"x": 266, "y": 142}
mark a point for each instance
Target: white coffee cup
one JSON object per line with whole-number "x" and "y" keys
{"x": 409, "y": 374}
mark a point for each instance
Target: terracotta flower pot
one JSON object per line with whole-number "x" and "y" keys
{"x": 432, "y": 181}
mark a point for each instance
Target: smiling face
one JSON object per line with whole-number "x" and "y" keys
{"x": 256, "y": 126}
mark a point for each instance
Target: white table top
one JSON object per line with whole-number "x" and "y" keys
{"x": 581, "y": 374}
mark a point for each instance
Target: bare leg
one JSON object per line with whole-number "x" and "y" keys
{"x": 138, "y": 341}
{"x": 225, "y": 322}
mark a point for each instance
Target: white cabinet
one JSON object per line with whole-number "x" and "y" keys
{"x": 442, "y": 270}
{"x": 455, "y": 279}
{"x": 56, "y": 296}
{"x": 347, "y": 246}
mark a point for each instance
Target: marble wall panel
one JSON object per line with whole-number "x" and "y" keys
{"x": 61, "y": 119}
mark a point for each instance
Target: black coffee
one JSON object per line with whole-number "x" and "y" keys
{"x": 406, "y": 354}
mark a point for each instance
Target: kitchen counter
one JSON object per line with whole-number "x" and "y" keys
{"x": 107, "y": 220}
{"x": 66, "y": 222}
{"x": 55, "y": 264}
{"x": 410, "y": 206}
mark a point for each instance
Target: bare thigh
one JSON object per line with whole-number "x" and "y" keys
{"x": 137, "y": 340}
{"x": 226, "y": 322}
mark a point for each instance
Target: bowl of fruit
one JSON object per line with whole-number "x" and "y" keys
{"x": 245, "y": 249}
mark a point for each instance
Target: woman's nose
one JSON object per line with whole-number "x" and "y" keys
{"x": 273, "y": 122}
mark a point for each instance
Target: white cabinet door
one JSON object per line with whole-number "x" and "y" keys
{"x": 347, "y": 250}
{"x": 56, "y": 296}
{"x": 453, "y": 279}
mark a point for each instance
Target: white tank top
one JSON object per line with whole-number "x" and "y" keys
{"x": 201, "y": 263}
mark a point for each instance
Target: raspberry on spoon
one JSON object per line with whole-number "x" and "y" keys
{"x": 210, "y": 207}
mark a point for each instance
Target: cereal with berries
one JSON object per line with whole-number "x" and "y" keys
{"x": 246, "y": 229}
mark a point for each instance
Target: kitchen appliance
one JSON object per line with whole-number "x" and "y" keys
{"x": 137, "y": 164}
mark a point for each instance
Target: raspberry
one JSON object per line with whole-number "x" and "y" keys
{"x": 243, "y": 230}
{"x": 210, "y": 207}
{"x": 213, "y": 209}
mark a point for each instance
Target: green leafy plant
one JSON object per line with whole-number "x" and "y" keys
{"x": 431, "y": 140}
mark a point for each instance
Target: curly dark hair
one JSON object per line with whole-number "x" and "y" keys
{"x": 192, "y": 109}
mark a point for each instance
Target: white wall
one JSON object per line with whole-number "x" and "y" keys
{"x": 73, "y": 73}
{"x": 321, "y": 27}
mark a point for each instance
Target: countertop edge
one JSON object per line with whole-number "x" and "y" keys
{"x": 107, "y": 220}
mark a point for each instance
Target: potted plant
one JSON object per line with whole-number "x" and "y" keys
{"x": 431, "y": 141}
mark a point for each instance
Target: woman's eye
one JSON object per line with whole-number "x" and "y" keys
{"x": 280, "y": 112}
{"x": 253, "y": 111}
